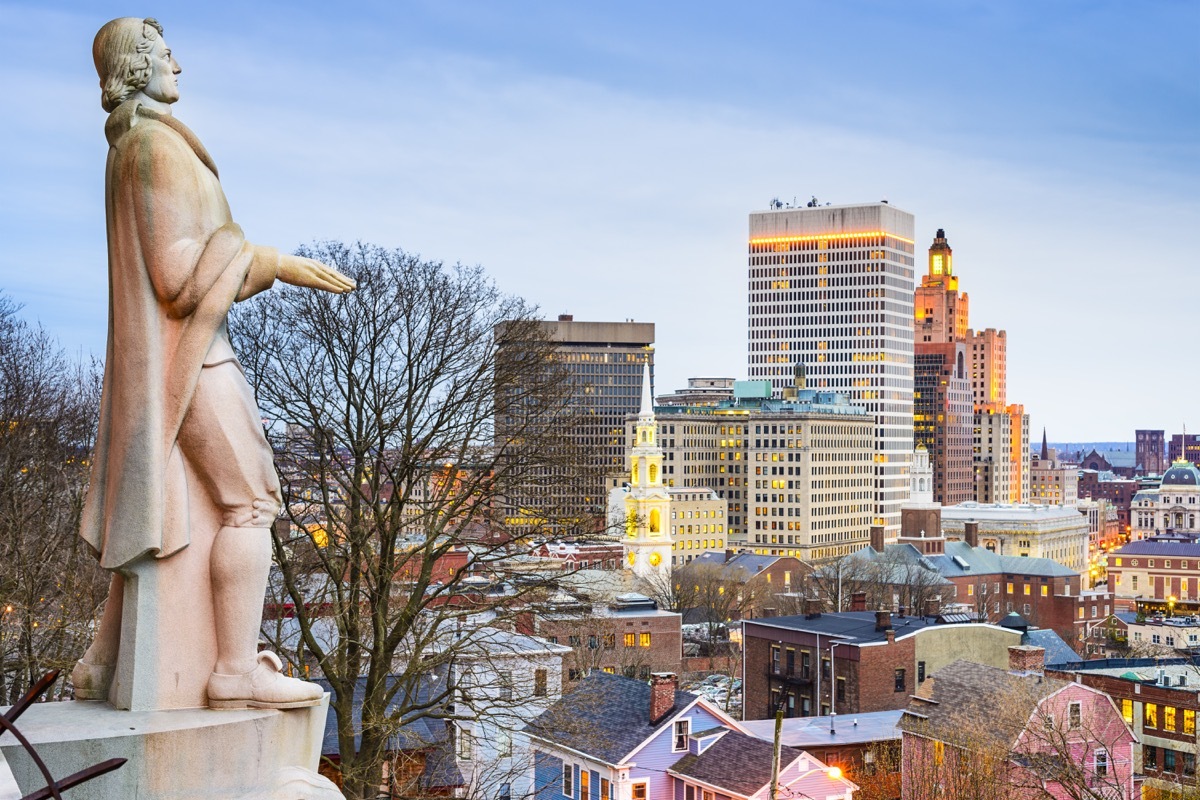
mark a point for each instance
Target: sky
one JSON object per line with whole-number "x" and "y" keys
{"x": 601, "y": 159}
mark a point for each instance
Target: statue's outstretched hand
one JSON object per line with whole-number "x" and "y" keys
{"x": 313, "y": 274}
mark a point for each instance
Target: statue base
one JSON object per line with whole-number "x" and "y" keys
{"x": 181, "y": 754}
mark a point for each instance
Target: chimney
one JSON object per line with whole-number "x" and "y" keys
{"x": 877, "y": 538}
{"x": 566, "y": 317}
{"x": 891, "y": 635}
{"x": 971, "y": 533}
{"x": 932, "y": 607}
{"x": 883, "y": 620}
{"x": 813, "y": 607}
{"x": 858, "y": 601}
{"x": 1026, "y": 659}
{"x": 728, "y": 554}
{"x": 525, "y": 623}
{"x": 662, "y": 695}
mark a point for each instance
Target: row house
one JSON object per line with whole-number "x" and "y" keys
{"x": 612, "y": 738}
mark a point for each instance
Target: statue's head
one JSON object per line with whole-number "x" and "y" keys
{"x": 132, "y": 57}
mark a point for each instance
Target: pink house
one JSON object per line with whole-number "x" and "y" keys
{"x": 973, "y": 730}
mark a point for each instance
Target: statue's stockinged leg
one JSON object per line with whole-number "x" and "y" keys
{"x": 245, "y": 678}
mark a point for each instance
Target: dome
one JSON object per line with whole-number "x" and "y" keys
{"x": 1182, "y": 473}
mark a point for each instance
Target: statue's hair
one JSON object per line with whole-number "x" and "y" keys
{"x": 121, "y": 51}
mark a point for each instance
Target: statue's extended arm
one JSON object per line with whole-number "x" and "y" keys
{"x": 185, "y": 260}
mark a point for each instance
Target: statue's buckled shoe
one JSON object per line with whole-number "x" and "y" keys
{"x": 265, "y": 686}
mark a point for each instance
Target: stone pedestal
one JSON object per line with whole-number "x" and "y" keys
{"x": 184, "y": 754}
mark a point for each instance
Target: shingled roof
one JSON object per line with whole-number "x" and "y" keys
{"x": 965, "y": 699}
{"x": 736, "y": 762}
{"x": 606, "y": 716}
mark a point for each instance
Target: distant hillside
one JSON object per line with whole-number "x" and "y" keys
{"x": 1083, "y": 447}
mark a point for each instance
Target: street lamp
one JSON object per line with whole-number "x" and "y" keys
{"x": 1171, "y": 605}
{"x": 833, "y": 773}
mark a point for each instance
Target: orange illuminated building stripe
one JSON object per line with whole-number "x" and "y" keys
{"x": 820, "y": 236}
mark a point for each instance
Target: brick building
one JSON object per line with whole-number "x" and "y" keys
{"x": 630, "y": 636}
{"x": 1184, "y": 447}
{"x": 1153, "y": 571}
{"x": 986, "y": 585}
{"x": 1098, "y": 485}
{"x": 764, "y": 578}
{"x": 855, "y": 661}
{"x": 1150, "y": 448}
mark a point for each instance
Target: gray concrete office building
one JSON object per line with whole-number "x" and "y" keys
{"x": 831, "y": 287}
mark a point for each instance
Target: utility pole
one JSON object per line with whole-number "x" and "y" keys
{"x": 775, "y": 755}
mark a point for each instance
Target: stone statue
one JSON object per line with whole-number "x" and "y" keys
{"x": 183, "y": 487}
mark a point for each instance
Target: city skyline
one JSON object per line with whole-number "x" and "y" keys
{"x": 620, "y": 151}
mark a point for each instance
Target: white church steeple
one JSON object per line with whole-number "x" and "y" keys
{"x": 648, "y": 504}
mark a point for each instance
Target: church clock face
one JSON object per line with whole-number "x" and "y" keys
{"x": 655, "y": 559}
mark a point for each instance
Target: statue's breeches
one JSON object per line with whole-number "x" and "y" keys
{"x": 222, "y": 440}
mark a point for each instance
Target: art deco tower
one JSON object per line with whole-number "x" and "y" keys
{"x": 943, "y": 408}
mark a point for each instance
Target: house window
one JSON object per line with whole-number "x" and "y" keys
{"x": 1045, "y": 591}
{"x": 464, "y": 744}
{"x": 1189, "y": 764}
{"x": 631, "y": 640}
{"x": 920, "y": 672}
{"x": 506, "y": 689}
{"x": 1101, "y": 763}
{"x": 1168, "y": 760}
{"x": 683, "y": 727}
{"x": 1127, "y": 710}
{"x": 610, "y": 641}
{"x": 1149, "y": 757}
{"x": 539, "y": 683}
{"x": 605, "y": 789}
{"x": 585, "y": 784}
{"x": 640, "y": 791}
{"x": 841, "y": 690}
{"x": 568, "y": 786}
{"x": 505, "y": 792}
{"x": 644, "y": 640}
{"x": 790, "y": 661}
{"x": 899, "y": 680}
{"x": 1151, "y": 715}
{"x": 504, "y": 742}
{"x": 1075, "y": 716}
{"x": 1189, "y": 721}
{"x": 775, "y": 659}
{"x": 1168, "y": 718}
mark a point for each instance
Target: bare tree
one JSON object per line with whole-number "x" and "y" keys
{"x": 382, "y": 405}
{"x": 50, "y": 586}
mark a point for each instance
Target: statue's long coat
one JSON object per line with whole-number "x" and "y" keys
{"x": 176, "y": 263}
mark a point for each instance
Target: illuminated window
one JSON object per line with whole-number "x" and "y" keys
{"x": 644, "y": 640}
{"x": 1127, "y": 712}
{"x": 1168, "y": 718}
{"x": 631, "y": 640}
{"x": 1151, "y": 717}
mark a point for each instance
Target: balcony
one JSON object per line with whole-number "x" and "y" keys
{"x": 797, "y": 677}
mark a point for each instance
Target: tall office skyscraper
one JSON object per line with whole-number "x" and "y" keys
{"x": 831, "y": 287}
{"x": 605, "y": 362}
